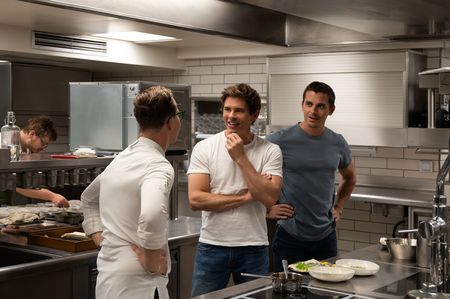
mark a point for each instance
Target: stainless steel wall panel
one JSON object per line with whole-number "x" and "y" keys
{"x": 428, "y": 138}
{"x": 96, "y": 112}
{"x": 349, "y": 62}
{"x": 374, "y": 92}
{"x": 5, "y": 90}
{"x": 101, "y": 114}
{"x": 373, "y": 100}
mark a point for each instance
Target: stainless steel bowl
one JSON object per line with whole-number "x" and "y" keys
{"x": 402, "y": 248}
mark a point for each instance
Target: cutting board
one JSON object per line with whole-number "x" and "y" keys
{"x": 62, "y": 156}
{"x": 18, "y": 234}
{"x": 52, "y": 239}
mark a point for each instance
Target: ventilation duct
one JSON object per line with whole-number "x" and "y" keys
{"x": 64, "y": 43}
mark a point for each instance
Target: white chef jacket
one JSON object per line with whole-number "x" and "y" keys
{"x": 128, "y": 202}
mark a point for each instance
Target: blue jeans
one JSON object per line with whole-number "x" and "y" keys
{"x": 214, "y": 265}
{"x": 285, "y": 246}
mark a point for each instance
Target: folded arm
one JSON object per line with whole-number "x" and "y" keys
{"x": 201, "y": 198}
{"x": 263, "y": 190}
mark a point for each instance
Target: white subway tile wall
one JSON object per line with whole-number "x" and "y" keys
{"x": 358, "y": 227}
{"x": 207, "y": 77}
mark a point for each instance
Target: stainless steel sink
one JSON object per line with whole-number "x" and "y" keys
{"x": 10, "y": 256}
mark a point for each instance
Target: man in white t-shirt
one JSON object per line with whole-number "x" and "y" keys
{"x": 234, "y": 176}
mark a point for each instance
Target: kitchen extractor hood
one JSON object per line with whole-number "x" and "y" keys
{"x": 437, "y": 82}
{"x": 233, "y": 19}
{"x": 436, "y": 78}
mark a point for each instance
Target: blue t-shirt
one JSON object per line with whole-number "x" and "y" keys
{"x": 309, "y": 167}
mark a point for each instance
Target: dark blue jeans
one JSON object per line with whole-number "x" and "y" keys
{"x": 285, "y": 246}
{"x": 214, "y": 265}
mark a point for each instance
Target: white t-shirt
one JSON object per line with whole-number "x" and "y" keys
{"x": 244, "y": 225}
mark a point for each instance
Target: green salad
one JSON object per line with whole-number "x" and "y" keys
{"x": 304, "y": 266}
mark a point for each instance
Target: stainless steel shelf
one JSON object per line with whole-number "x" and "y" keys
{"x": 44, "y": 162}
{"x": 38, "y": 170}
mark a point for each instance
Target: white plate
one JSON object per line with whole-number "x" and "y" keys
{"x": 333, "y": 274}
{"x": 361, "y": 267}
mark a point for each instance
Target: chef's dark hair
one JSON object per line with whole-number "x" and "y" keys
{"x": 42, "y": 126}
{"x": 245, "y": 92}
{"x": 153, "y": 107}
{"x": 317, "y": 86}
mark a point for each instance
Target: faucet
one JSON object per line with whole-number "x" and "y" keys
{"x": 435, "y": 230}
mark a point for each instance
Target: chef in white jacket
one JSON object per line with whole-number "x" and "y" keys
{"x": 126, "y": 206}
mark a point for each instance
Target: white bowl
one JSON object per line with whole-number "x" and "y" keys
{"x": 361, "y": 267}
{"x": 333, "y": 274}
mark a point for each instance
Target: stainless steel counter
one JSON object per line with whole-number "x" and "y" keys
{"x": 181, "y": 230}
{"x": 391, "y": 270}
{"x": 184, "y": 228}
{"x": 393, "y": 196}
{"x": 375, "y": 286}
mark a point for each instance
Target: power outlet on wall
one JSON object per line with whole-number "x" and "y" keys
{"x": 426, "y": 166}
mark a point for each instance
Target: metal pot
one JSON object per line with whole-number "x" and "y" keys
{"x": 281, "y": 284}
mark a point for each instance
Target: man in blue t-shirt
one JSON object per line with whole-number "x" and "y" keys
{"x": 309, "y": 204}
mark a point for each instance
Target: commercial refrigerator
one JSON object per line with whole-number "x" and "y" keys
{"x": 101, "y": 114}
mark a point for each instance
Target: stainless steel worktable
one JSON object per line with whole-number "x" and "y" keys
{"x": 43, "y": 273}
{"x": 410, "y": 198}
{"x": 386, "y": 284}
{"x": 180, "y": 230}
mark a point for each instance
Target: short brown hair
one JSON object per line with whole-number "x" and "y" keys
{"x": 245, "y": 92}
{"x": 42, "y": 125}
{"x": 321, "y": 87}
{"x": 153, "y": 106}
